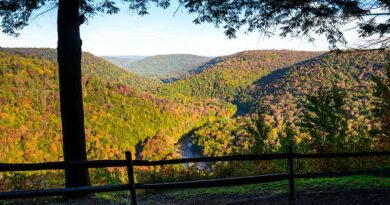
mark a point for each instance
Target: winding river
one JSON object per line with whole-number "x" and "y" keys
{"x": 187, "y": 149}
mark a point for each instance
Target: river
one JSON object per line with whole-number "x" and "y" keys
{"x": 187, "y": 149}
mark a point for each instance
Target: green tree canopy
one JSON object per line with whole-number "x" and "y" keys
{"x": 326, "y": 120}
{"x": 370, "y": 18}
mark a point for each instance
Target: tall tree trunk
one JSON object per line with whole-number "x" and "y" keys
{"x": 72, "y": 114}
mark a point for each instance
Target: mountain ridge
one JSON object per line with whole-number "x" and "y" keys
{"x": 168, "y": 64}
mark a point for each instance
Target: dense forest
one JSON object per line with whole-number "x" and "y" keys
{"x": 249, "y": 102}
{"x": 120, "y": 113}
{"x": 287, "y": 104}
{"x": 228, "y": 78}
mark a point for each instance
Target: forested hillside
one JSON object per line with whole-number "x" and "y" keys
{"x": 284, "y": 98}
{"x": 228, "y": 78}
{"x": 167, "y": 66}
{"x": 297, "y": 105}
{"x": 92, "y": 66}
{"x": 119, "y": 114}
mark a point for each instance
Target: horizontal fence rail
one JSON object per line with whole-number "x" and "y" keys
{"x": 341, "y": 155}
{"x": 6, "y": 167}
{"x": 63, "y": 191}
{"x": 248, "y": 157}
{"x": 215, "y": 182}
{"x": 61, "y": 165}
{"x": 129, "y": 163}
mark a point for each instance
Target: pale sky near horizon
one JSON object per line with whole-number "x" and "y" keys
{"x": 161, "y": 32}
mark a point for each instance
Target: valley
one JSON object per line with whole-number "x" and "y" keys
{"x": 249, "y": 102}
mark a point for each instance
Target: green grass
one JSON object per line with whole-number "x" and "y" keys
{"x": 357, "y": 182}
{"x": 272, "y": 188}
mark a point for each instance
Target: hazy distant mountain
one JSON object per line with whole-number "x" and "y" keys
{"x": 161, "y": 65}
{"x": 123, "y": 61}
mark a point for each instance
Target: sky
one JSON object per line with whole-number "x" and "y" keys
{"x": 161, "y": 32}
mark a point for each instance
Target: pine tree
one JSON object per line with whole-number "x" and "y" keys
{"x": 325, "y": 119}
{"x": 260, "y": 133}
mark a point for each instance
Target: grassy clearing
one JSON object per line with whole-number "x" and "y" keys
{"x": 272, "y": 188}
{"x": 356, "y": 182}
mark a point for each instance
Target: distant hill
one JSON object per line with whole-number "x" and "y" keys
{"x": 167, "y": 66}
{"x": 189, "y": 71}
{"x": 123, "y": 61}
{"x": 92, "y": 66}
{"x": 227, "y": 77}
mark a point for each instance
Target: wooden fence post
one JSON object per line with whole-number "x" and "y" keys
{"x": 130, "y": 175}
{"x": 291, "y": 172}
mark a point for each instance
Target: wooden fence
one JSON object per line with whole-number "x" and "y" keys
{"x": 132, "y": 186}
